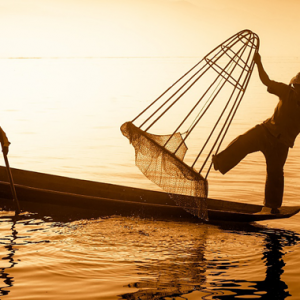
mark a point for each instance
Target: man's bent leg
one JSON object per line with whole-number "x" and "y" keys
{"x": 249, "y": 142}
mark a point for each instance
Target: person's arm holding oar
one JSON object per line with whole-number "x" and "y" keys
{"x": 5, "y": 145}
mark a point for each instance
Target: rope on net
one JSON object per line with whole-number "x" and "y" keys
{"x": 221, "y": 79}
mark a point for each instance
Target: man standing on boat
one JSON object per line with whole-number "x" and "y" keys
{"x": 273, "y": 138}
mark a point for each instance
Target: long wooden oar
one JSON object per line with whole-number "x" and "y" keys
{"x": 12, "y": 186}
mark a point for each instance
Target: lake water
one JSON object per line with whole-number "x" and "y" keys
{"x": 62, "y": 116}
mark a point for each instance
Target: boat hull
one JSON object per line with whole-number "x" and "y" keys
{"x": 37, "y": 190}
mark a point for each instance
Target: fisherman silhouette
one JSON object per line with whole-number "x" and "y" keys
{"x": 273, "y": 138}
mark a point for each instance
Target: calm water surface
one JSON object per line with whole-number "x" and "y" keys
{"x": 62, "y": 116}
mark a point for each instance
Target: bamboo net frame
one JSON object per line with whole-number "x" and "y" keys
{"x": 221, "y": 79}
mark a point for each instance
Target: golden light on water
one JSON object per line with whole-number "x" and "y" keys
{"x": 64, "y": 114}
{"x": 73, "y": 71}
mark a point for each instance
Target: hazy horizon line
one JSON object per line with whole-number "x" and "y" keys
{"x": 91, "y": 57}
{"x": 120, "y": 57}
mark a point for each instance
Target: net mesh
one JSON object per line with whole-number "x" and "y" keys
{"x": 202, "y": 103}
{"x": 157, "y": 162}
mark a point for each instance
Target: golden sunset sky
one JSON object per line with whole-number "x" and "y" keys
{"x": 97, "y": 28}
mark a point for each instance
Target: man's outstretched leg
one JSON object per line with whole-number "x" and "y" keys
{"x": 250, "y": 141}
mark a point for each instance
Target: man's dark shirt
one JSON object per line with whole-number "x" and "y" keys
{"x": 285, "y": 122}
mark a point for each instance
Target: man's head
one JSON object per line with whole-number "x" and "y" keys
{"x": 295, "y": 81}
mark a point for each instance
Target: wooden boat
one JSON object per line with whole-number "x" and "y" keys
{"x": 62, "y": 194}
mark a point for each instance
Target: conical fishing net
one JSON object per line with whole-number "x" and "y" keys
{"x": 198, "y": 110}
{"x": 158, "y": 163}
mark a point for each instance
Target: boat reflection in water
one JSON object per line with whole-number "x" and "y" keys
{"x": 11, "y": 240}
{"x": 9, "y": 243}
{"x": 203, "y": 277}
{"x": 170, "y": 259}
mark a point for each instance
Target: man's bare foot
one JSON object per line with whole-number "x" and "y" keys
{"x": 269, "y": 210}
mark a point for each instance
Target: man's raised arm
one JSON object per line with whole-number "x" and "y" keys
{"x": 261, "y": 71}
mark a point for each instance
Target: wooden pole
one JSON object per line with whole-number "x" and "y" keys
{"x": 12, "y": 186}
